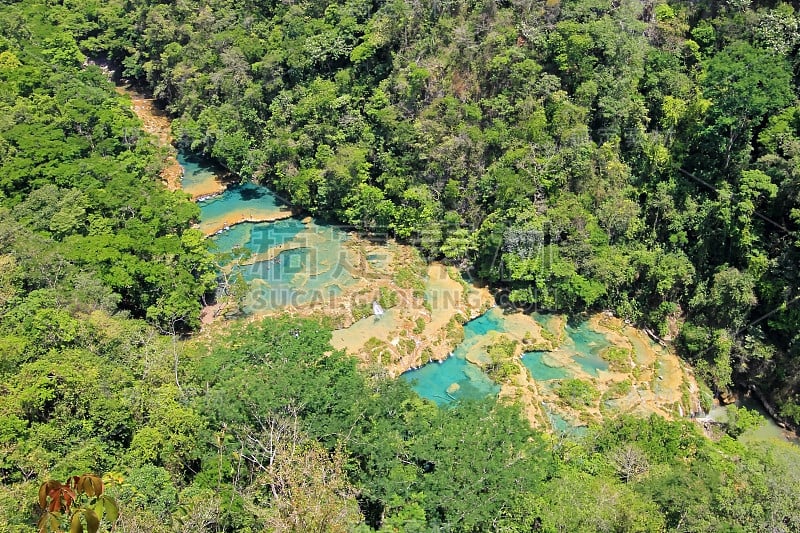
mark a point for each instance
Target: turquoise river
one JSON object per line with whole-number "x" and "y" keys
{"x": 291, "y": 262}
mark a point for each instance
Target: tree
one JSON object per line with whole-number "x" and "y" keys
{"x": 630, "y": 462}
{"x": 597, "y": 504}
{"x": 306, "y": 486}
{"x": 732, "y": 297}
{"x": 741, "y": 419}
{"x": 744, "y": 84}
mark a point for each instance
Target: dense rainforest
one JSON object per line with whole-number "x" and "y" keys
{"x": 579, "y": 155}
{"x": 632, "y": 156}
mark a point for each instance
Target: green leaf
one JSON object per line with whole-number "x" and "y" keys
{"x": 99, "y": 506}
{"x": 75, "y": 525}
{"x": 92, "y": 521}
{"x": 42, "y": 524}
{"x": 112, "y": 511}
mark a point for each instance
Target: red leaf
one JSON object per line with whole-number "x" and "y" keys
{"x": 55, "y": 502}
{"x": 48, "y": 488}
{"x": 69, "y": 496}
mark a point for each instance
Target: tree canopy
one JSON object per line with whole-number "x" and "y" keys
{"x": 579, "y": 155}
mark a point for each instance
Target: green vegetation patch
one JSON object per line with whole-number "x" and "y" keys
{"x": 502, "y": 360}
{"x": 619, "y": 358}
{"x": 388, "y": 298}
{"x": 455, "y": 329}
{"x": 577, "y": 393}
{"x": 362, "y": 310}
{"x": 619, "y": 389}
{"x": 410, "y": 278}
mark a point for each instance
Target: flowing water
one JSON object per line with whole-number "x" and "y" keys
{"x": 289, "y": 262}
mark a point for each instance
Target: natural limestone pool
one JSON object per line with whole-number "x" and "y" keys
{"x": 437, "y": 381}
{"x": 294, "y": 254}
{"x": 286, "y": 261}
{"x": 314, "y": 269}
{"x": 541, "y": 368}
{"x": 455, "y": 378}
{"x": 451, "y": 380}
{"x": 295, "y": 264}
{"x": 258, "y": 238}
{"x": 586, "y": 346}
{"x": 200, "y": 177}
{"x": 239, "y": 204}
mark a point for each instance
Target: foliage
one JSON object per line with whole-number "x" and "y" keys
{"x": 388, "y": 298}
{"x": 646, "y": 170}
{"x": 620, "y": 389}
{"x": 577, "y": 393}
{"x": 578, "y": 155}
{"x": 78, "y": 503}
{"x": 741, "y": 419}
{"x": 502, "y": 365}
{"x": 619, "y": 359}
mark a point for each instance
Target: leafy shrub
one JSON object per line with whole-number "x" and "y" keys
{"x": 577, "y": 393}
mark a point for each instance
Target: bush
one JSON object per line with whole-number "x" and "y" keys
{"x": 387, "y": 298}
{"x": 150, "y": 487}
{"x": 619, "y": 389}
{"x": 618, "y": 358}
{"x": 577, "y": 393}
{"x": 741, "y": 419}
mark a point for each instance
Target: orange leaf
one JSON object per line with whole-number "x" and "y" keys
{"x": 42, "y": 495}
{"x": 91, "y": 485}
{"x": 69, "y": 496}
{"x": 55, "y": 501}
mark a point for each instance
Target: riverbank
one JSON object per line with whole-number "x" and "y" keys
{"x": 254, "y": 215}
{"x": 156, "y": 123}
{"x": 423, "y": 325}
